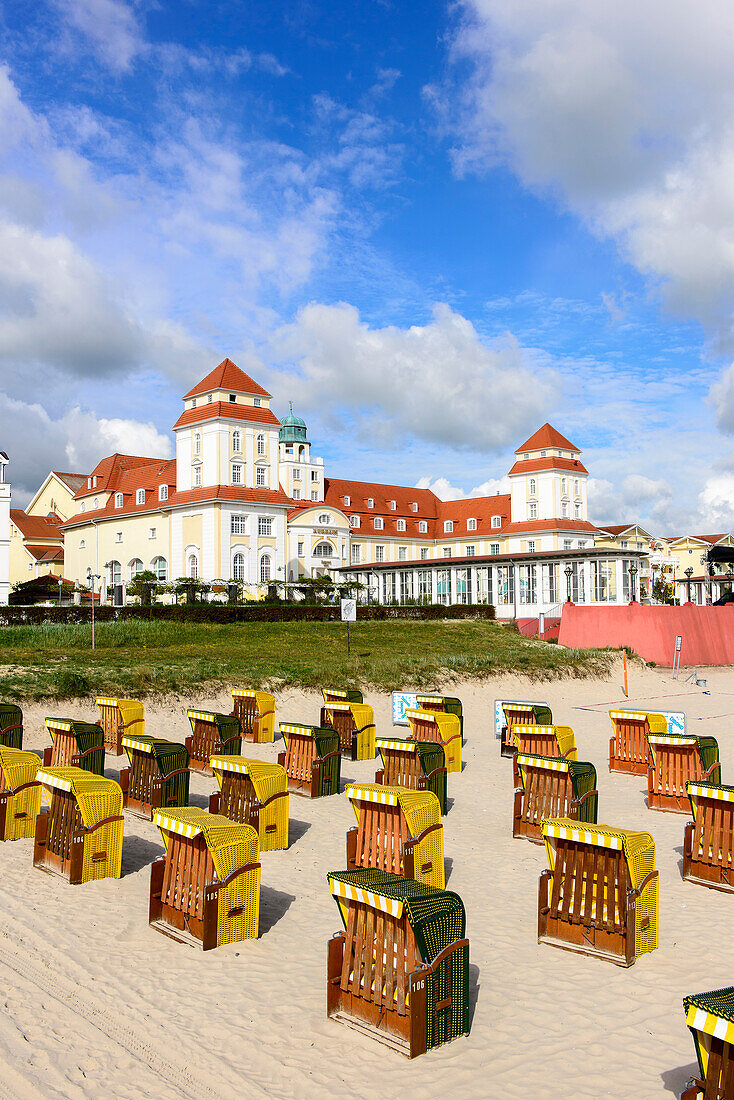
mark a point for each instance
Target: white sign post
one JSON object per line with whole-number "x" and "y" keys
{"x": 676, "y": 656}
{"x": 541, "y": 625}
{"x": 349, "y": 615}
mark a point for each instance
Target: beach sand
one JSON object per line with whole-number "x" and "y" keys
{"x": 98, "y": 1005}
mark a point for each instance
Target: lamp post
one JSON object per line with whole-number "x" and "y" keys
{"x": 91, "y": 578}
{"x": 689, "y": 573}
{"x": 569, "y": 573}
{"x": 633, "y": 573}
{"x": 61, "y": 585}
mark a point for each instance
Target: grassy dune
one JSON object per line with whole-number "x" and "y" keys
{"x": 136, "y": 657}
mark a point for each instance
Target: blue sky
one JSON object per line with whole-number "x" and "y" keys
{"x": 432, "y": 226}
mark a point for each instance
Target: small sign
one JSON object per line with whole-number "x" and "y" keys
{"x": 541, "y": 624}
{"x": 678, "y": 643}
{"x": 349, "y": 611}
{"x": 402, "y": 701}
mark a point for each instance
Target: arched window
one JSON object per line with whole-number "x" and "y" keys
{"x": 83, "y": 544}
{"x": 238, "y": 567}
{"x": 160, "y": 567}
{"x": 192, "y": 567}
{"x": 265, "y": 567}
{"x": 134, "y": 567}
{"x": 261, "y": 444}
{"x": 83, "y": 506}
{"x": 533, "y": 487}
{"x": 236, "y": 441}
{"x": 323, "y": 550}
{"x": 115, "y": 573}
{"x": 301, "y": 454}
{"x": 197, "y": 443}
{"x": 96, "y": 503}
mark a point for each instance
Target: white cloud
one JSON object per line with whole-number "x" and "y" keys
{"x": 625, "y": 113}
{"x": 444, "y": 490}
{"x": 716, "y": 504}
{"x": 75, "y": 441}
{"x": 637, "y": 498}
{"x": 436, "y": 382}
{"x": 111, "y": 28}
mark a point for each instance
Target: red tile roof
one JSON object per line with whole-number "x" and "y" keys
{"x": 35, "y": 527}
{"x": 233, "y": 493}
{"x": 533, "y": 525}
{"x": 228, "y": 376}
{"x": 46, "y": 553}
{"x": 228, "y": 410}
{"x": 109, "y": 471}
{"x": 547, "y": 436}
{"x": 535, "y": 465}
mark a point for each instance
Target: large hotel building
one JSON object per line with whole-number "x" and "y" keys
{"x": 244, "y": 499}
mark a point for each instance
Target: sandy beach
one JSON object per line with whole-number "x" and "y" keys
{"x": 98, "y": 1005}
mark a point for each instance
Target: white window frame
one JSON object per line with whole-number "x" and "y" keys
{"x": 163, "y": 492}
{"x": 237, "y": 441}
{"x": 448, "y": 526}
{"x": 422, "y": 526}
{"x": 265, "y": 527}
{"x": 400, "y": 524}
{"x": 261, "y": 444}
{"x": 379, "y": 553}
{"x": 261, "y": 477}
{"x": 237, "y": 473}
{"x": 347, "y": 502}
{"x": 379, "y": 523}
{"x": 471, "y": 525}
{"x": 197, "y": 443}
{"x": 496, "y": 521}
{"x": 354, "y": 521}
{"x": 238, "y": 524}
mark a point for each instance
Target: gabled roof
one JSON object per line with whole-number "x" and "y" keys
{"x": 617, "y": 529}
{"x": 711, "y": 539}
{"x": 227, "y": 410}
{"x": 110, "y": 470}
{"x": 35, "y": 527}
{"x": 72, "y": 481}
{"x": 46, "y": 553}
{"x": 228, "y": 376}
{"x": 547, "y": 436}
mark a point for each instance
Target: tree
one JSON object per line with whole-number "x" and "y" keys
{"x": 144, "y": 585}
{"x": 663, "y": 591}
{"x": 190, "y": 587}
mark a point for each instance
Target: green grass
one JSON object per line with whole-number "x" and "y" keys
{"x": 136, "y": 657}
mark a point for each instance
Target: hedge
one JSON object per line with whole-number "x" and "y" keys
{"x": 254, "y": 613}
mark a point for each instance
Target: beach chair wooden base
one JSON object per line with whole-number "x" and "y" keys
{"x": 714, "y": 871}
{"x": 147, "y": 789}
{"x": 60, "y": 837}
{"x": 308, "y": 778}
{"x": 507, "y": 747}
{"x": 402, "y": 1031}
{"x": 13, "y": 818}
{"x": 719, "y": 1083}
{"x": 626, "y": 767}
{"x": 668, "y": 803}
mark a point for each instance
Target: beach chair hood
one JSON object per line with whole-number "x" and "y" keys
{"x": 231, "y": 845}
{"x": 581, "y": 773}
{"x": 131, "y": 710}
{"x": 708, "y": 749}
{"x": 638, "y": 847}
{"x": 227, "y": 725}
{"x": 169, "y": 755}
{"x": 421, "y": 808}
{"x": 327, "y": 740}
{"x": 538, "y": 714}
{"x": 448, "y": 724}
{"x": 564, "y": 736}
{"x": 11, "y": 715}
{"x": 18, "y": 766}
{"x": 700, "y": 789}
{"x": 657, "y": 723}
{"x": 267, "y": 779}
{"x": 85, "y": 732}
{"x": 710, "y": 1015}
{"x": 96, "y": 796}
{"x": 349, "y": 695}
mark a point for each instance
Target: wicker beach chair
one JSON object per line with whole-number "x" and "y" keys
{"x": 312, "y": 759}
{"x": 11, "y": 726}
{"x": 255, "y": 712}
{"x": 355, "y": 724}
{"x": 444, "y": 729}
{"x": 75, "y": 745}
{"x": 552, "y": 787}
{"x": 118, "y": 717}
{"x": 557, "y": 741}
{"x": 211, "y": 735}
{"x": 400, "y": 969}
{"x": 677, "y": 759}
{"x": 205, "y": 891}
{"x": 526, "y": 714}
{"x": 342, "y": 695}
{"x": 629, "y": 751}
{"x": 443, "y": 704}
{"x": 708, "y": 840}
{"x": 253, "y": 793}
{"x": 397, "y": 830}
{"x": 20, "y": 793}
{"x": 158, "y": 776}
{"x": 80, "y": 837}
{"x": 710, "y": 1019}
{"x": 415, "y": 765}
{"x": 600, "y": 896}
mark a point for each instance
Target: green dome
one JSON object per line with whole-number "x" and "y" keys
{"x": 293, "y": 429}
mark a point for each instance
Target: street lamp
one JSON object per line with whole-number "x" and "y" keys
{"x": 689, "y": 573}
{"x": 61, "y": 585}
{"x": 569, "y": 573}
{"x": 633, "y": 573}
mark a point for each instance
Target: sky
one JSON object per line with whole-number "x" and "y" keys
{"x": 431, "y": 226}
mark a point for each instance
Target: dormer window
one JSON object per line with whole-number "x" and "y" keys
{"x": 401, "y": 525}
{"x": 414, "y": 506}
{"x": 347, "y": 501}
{"x": 354, "y": 521}
{"x": 233, "y": 397}
{"x": 94, "y": 482}
{"x": 448, "y": 526}
{"x": 526, "y": 456}
{"x": 471, "y": 525}
{"x": 193, "y": 402}
{"x": 496, "y": 521}
{"x": 209, "y": 398}
{"x": 542, "y": 454}
{"x": 257, "y": 402}
{"x": 422, "y": 527}
{"x": 393, "y": 505}
{"x": 118, "y": 500}
{"x": 89, "y": 483}
{"x": 140, "y": 496}
{"x": 379, "y": 523}
{"x": 370, "y": 502}
{"x": 163, "y": 492}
